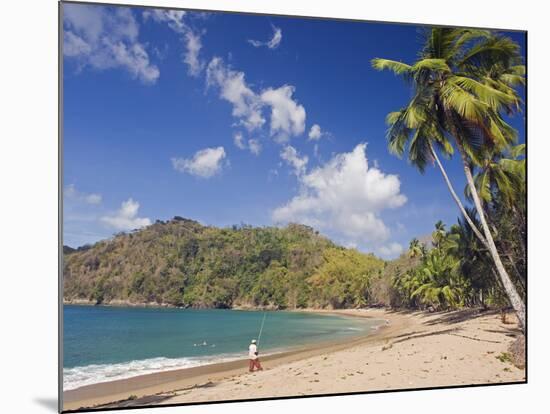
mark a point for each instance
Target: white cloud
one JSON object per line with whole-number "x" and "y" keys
{"x": 344, "y": 196}
{"x": 174, "y": 18}
{"x": 126, "y": 218}
{"x": 74, "y": 45}
{"x": 205, "y": 163}
{"x": 315, "y": 133}
{"x": 390, "y": 251}
{"x": 287, "y": 116}
{"x": 194, "y": 45}
{"x": 238, "y": 140}
{"x": 135, "y": 59}
{"x": 350, "y": 245}
{"x": 191, "y": 39}
{"x": 93, "y": 198}
{"x": 233, "y": 88}
{"x": 273, "y": 43}
{"x": 291, "y": 156}
{"x": 70, "y": 192}
{"x": 254, "y": 146}
{"x": 106, "y": 38}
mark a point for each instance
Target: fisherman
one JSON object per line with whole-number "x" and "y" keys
{"x": 254, "y": 362}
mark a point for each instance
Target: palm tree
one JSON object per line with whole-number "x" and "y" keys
{"x": 439, "y": 234}
{"x": 416, "y": 249}
{"x": 501, "y": 184}
{"x": 439, "y": 283}
{"x": 472, "y": 254}
{"x": 463, "y": 81}
{"x": 498, "y": 173}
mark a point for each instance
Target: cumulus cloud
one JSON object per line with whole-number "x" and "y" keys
{"x": 106, "y": 38}
{"x": 205, "y": 163}
{"x": 345, "y": 196}
{"x": 273, "y": 43}
{"x": 390, "y": 251}
{"x": 315, "y": 133}
{"x": 126, "y": 218}
{"x": 192, "y": 40}
{"x": 254, "y": 146}
{"x": 234, "y": 89}
{"x": 291, "y": 156}
{"x": 287, "y": 116}
{"x": 70, "y": 192}
{"x": 238, "y": 140}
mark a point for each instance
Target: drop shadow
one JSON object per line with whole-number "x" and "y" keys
{"x": 49, "y": 403}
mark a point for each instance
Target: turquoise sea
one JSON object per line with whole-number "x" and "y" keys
{"x": 108, "y": 343}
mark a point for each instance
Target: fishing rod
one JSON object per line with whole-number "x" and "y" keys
{"x": 261, "y": 329}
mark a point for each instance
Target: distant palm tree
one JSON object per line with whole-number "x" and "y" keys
{"x": 416, "y": 249}
{"x": 439, "y": 283}
{"x": 472, "y": 254}
{"x": 439, "y": 234}
{"x": 463, "y": 80}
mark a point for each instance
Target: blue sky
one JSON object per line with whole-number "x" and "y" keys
{"x": 228, "y": 119}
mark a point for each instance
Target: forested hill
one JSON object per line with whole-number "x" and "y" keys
{"x": 183, "y": 263}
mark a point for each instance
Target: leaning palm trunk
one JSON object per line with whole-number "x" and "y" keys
{"x": 509, "y": 288}
{"x": 457, "y": 200}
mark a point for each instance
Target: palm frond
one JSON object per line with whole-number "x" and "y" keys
{"x": 464, "y": 103}
{"x": 496, "y": 49}
{"x": 399, "y": 68}
{"x": 397, "y": 134}
{"x": 433, "y": 65}
{"x": 518, "y": 151}
{"x": 419, "y": 150}
{"x": 491, "y": 96}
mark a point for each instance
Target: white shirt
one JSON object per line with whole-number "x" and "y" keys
{"x": 252, "y": 351}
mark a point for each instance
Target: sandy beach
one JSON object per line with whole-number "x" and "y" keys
{"x": 412, "y": 350}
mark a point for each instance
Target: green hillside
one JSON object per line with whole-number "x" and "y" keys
{"x": 183, "y": 263}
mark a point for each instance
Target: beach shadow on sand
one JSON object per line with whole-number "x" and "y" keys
{"x": 49, "y": 403}
{"x": 450, "y": 318}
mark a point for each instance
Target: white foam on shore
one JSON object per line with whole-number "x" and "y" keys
{"x": 81, "y": 376}
{"x": 77, "y": 377}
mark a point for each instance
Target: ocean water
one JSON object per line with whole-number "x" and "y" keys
{"x": 108, "y": 343}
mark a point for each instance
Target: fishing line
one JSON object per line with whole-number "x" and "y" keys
{"x": 261, "y": 329}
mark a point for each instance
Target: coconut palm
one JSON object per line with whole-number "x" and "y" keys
{"x": 440, "y": 284}
{"x": 416, "y": 249}
{"x": 505, "y": 175}
{"x": 501, "y": 184}
{"x": 439, "y": 234}
{"x": 463, "y": 81}
{"x": 475, "y": 263}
